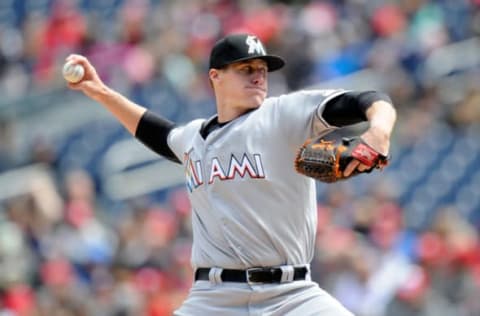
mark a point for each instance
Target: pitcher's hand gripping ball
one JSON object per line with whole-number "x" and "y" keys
{"x": 325, "y": 160}
{"x": 73, "y": 72}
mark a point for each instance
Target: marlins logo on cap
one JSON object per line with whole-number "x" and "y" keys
{"x": 241, "y": 47}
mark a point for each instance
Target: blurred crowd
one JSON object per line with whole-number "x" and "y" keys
{"x": 62, "y": 253}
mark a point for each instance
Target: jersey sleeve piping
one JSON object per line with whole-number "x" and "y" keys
{"x": 180, "y": 137}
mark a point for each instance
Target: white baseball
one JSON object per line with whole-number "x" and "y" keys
{"x": 73, "y": 72}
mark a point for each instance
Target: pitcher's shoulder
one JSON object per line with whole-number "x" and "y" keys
{"x": 304, "y": 96}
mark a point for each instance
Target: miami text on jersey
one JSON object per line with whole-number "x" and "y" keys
{"x": 250, "y": 165}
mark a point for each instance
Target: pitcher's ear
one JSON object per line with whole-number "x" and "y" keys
{"x": 213, "y": 74}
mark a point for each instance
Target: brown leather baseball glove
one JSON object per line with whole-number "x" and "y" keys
{"x": 325, "y": 160}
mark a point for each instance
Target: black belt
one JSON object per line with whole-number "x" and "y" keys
{"x": 253, "y": 275}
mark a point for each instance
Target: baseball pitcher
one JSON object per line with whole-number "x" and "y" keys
{"x": 254, "y": 213}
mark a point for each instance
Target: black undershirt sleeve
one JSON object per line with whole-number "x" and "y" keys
{"x": 350, "y": 107}
{"x": 152, "y": 131}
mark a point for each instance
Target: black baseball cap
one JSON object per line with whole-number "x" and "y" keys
{"x": 240, "y": 47}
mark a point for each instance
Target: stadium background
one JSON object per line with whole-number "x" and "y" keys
{"x": 92, "y": 223}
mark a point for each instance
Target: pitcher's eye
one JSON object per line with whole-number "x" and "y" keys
{"x": 248, "y": 70}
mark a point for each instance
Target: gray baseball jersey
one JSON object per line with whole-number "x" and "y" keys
{"x": 250, "y": 207}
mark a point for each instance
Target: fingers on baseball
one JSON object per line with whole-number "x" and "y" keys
{"x": 77, "y": 59}
{"x": 82, "y": 60}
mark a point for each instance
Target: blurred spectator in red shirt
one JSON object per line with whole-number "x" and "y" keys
{"x": 64, "y": 32}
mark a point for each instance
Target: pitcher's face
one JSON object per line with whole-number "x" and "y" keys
{"x": 242, "y": 84}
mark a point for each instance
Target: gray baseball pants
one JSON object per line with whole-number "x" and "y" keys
{"x": 299, "y": 298}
